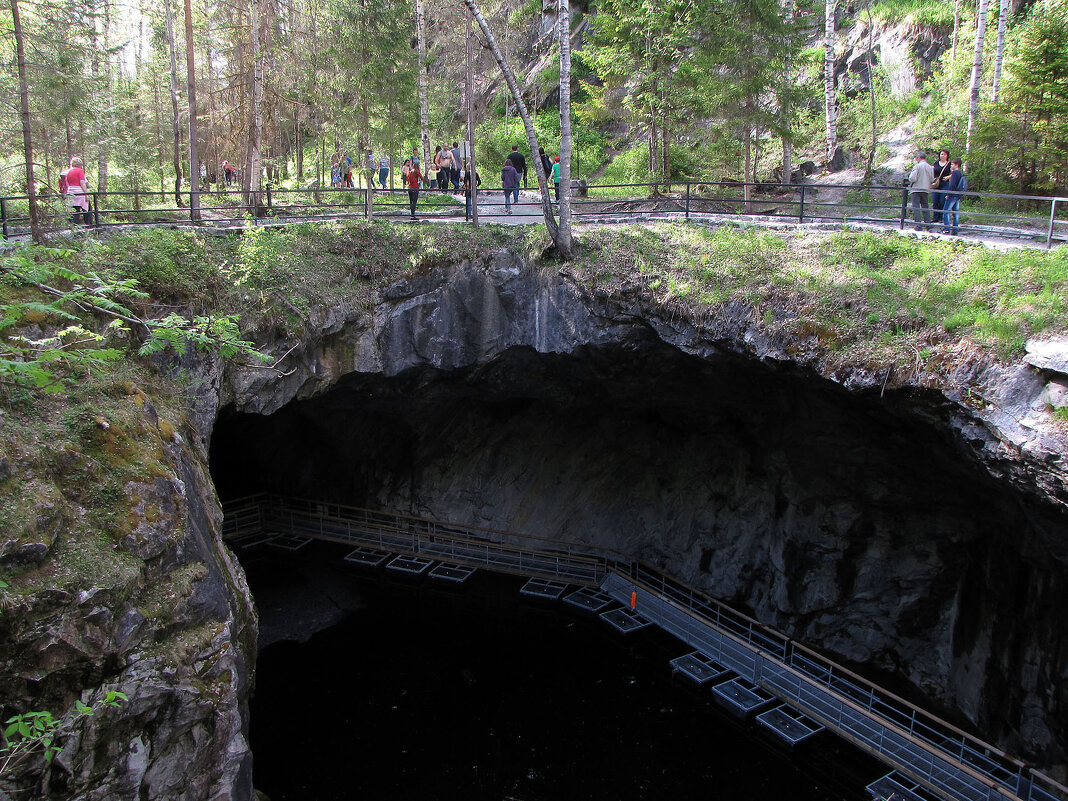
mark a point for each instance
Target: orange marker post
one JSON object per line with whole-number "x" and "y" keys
{"x": 633, "y": 600}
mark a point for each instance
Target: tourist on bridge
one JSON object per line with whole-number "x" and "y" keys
{"x": 510, "y": 182}
{"x": 556, "y": 177}
{"x": 546, "y": 163}
{"x": 432, "y": 173}
{"x": 919, "y": 181}
{"x": 415, "y": 157}
{"x": 519, "y": 163}
{"x": 414, "y": 180}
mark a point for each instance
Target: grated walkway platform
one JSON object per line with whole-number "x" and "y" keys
{"x": 367, "y": 557}
{"x": 698, "y": 668}
{"x": 788, "y": 724}
{"x": 625, "y": 620}
{"x": 741, "y": 697}
{"x": 412, "y": 565}
{"x": 456, "y": 574}
{"x": 543, "y": 588}
{"x": 589, "y": 599}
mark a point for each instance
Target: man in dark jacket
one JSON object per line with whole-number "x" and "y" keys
{"x": 519, "y": 163}
{"x": 510, "y": 182}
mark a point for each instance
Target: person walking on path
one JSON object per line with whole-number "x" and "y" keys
{"x": 510, "y": 182}
{"x": 414, "y": 179}
{"x": 951, "y": 205}
{"x": 432, "y": 172}
{"x": 383, "y": 171}
{"x": 456, "y": 162}
{"x": 415, "y": 157}
{"x": 942, "y": 171}
{"x": 445, "y": 162}
{"x": 77, "y": 192}
{"x": 519, "y": 163}
{"x": 556, "y": 177}
{"x": 920, "y": 180}
{"x": 546, "y": 163}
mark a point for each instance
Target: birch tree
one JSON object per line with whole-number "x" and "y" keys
{"x": 563, "y": 239}
{"x": 528, "y": 123}
{"x": 977, "y": 69}
{"x": 424, "y": 106}
{"x": 176, "y": 127}
{"x": 252, "y": 181}
{"x": 1003, "y": 16}
{"x": 191, "y": 82}
{"x": 830, "y": 110}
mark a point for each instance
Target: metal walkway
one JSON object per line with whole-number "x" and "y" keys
{"x": 921, "y": 748}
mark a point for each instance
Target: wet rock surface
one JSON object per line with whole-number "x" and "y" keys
{"x": 916, "y": 531}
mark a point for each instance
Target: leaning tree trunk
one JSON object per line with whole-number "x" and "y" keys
{"x": 1003, "y": 18}
{"x": 563, "y": 237}
{"x": 175, "y": 121}
{"x": 191, "y": 83}
{"x": 977, "y": 69}
{"x": 871, "y": 92}
{"x": 24, "y": 103}
{"x": 528, "y": 124}
{"x": 830, "y": 112}
{"x": 786, "y": 105}
{"x": 424, "y": 105}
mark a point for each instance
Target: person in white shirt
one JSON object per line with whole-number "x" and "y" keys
{"x": 920, "y": 180}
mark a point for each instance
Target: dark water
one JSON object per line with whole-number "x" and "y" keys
{"x": 427, "y": 693}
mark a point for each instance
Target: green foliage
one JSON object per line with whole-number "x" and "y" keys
{"x": 36, "y": 733}
{"x": 50, "y": 332}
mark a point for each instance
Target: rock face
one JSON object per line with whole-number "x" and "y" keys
{"x": 918, "y": 537}
{"x": 164, "y": 617}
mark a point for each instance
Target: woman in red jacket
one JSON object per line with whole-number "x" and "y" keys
{"x": 414, "y": 179}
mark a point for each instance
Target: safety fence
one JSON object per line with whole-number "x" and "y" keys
{"x": 952, "y": 762}
{"x": 1022, "y": 217}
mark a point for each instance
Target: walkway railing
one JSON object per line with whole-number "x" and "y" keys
{"x": 1041, "y": 219}
{"x": 952, "y": 762}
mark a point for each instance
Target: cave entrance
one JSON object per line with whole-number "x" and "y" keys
{"x": 760, "y": 485}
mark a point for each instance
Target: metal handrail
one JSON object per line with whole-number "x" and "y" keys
{"x": 935, "y": 734}
{"x": 780, "y": 196}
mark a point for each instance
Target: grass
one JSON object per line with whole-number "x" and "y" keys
{"x": 874, "y": 297}
{"x": 913, "y": 12}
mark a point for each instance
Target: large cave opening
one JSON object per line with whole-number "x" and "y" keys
{"x": 860, "y": 524}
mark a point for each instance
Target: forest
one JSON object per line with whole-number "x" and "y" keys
{"x": 708, "y": 89}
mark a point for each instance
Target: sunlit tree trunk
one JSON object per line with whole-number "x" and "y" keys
{"x": 176, "y": 123}
{"x": 424, "y": 106}
{"x": 956, "y": 32}
{"x": 528, "y": 124}
{"x": 977, "y": 68}
{"x": 1003, "y": 18}
{"x": 24, "y": 104}
{"x": 563, "y": 237}
{"x": 786, "y": 106}
{"x": 829, "y": 106}
{"x": 191, "y": 84}
{"x": 252, "y": 181}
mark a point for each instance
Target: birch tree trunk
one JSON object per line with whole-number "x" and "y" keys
{"x": 472, "y": 170}
{"x": 1003, "y": 19}
{"x": 528, "y": 124}
{"x": 830, "y": 111}
{"x": 24, "y": 104}
{"x": 977, "y": 69}
{"x": 424, "y": 106}
{"x": 191, "y": 84}
{"x": 175, "y": 121}
{"x": 107, "y": 120}
{"x": 252, "y": 180}
{"x": 956, "y": 31}
{"x": 786, "y": 107}
{"x": 563, "y": 238}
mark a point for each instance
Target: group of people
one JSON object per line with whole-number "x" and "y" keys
{"x": 946, "y": 180}
{"x": 447, "y": 170}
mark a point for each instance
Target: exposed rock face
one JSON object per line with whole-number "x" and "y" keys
{"x": 168, "y": 622}
{"x": 901, "y": 529}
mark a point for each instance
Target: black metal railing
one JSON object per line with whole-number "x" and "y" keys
{"x": 1000, "y": 775}
{"x": 1043, "y": 219}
